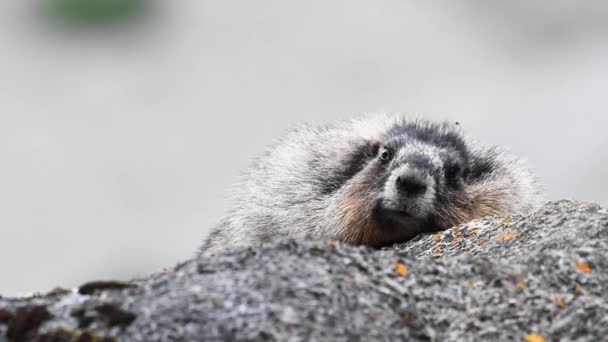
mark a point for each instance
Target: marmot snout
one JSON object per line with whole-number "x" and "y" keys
{"x": 374, "y": 181}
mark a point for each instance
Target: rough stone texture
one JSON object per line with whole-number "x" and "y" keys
{"x": 491, "y": 279}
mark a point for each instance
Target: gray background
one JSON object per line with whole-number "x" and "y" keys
{"x": 118, "y": 145}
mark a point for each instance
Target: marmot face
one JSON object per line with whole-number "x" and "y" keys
{"x": 416, "y": 169}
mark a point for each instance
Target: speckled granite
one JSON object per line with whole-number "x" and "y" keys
{"x": 536, "y": 278}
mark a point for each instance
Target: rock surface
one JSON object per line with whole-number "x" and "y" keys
{"x": 538, "y": 278}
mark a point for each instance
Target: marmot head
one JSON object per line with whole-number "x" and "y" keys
{"x": 414, "y": 178}
{"x": 375, "y": 181}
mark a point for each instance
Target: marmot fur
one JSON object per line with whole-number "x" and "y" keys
{"x": 376, "y": 181}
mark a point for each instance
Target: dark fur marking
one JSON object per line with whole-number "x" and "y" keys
{"x": 356, "y": 161}
{"x": 421, "y": 162}
{"x": 479, "y": 168}
{"x": 431, "y": 134}
{"x": 453, "y": 175}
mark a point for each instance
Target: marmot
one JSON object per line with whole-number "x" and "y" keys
{"x": 376, "y": 181}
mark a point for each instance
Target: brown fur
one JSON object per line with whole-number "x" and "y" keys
{"x": 478, "y": 201}
{"x": 355, "y": 224}
{"x": 354, "y": 216}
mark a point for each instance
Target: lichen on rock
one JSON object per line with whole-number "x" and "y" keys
{"x": 544, "y": 276}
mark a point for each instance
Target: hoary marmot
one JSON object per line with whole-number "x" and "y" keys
{"x": 375, "y": 181}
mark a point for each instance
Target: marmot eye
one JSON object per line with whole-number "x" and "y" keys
{"x": 384, "y": 155}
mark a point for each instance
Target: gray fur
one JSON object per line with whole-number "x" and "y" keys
{"x": 331, "y": 182}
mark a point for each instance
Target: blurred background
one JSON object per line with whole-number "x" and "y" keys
{"x": 123, "y": 123}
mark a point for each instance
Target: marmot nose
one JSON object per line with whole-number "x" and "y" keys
{"x": 411, "y": 185}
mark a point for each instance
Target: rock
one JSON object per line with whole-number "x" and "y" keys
{"x": 544, "y": 276}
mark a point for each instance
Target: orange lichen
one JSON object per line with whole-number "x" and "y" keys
{"x": 436, "y": 249}
{"x": 437, "y": 237}
{"x": 533, "y": 337}
{"x": 521, "y": 285}
{"x": 559, "y": 301}
{"x": 583, "y": 267}
{"x": 401, "y": 268}
{"x": 507, "y": 236}
{"x": 456, "y": 240}
{"x": 332, "y": 243}
{"x": 577, "y": 289}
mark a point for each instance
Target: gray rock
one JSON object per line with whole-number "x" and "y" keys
{"x": 491, "y": 279}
